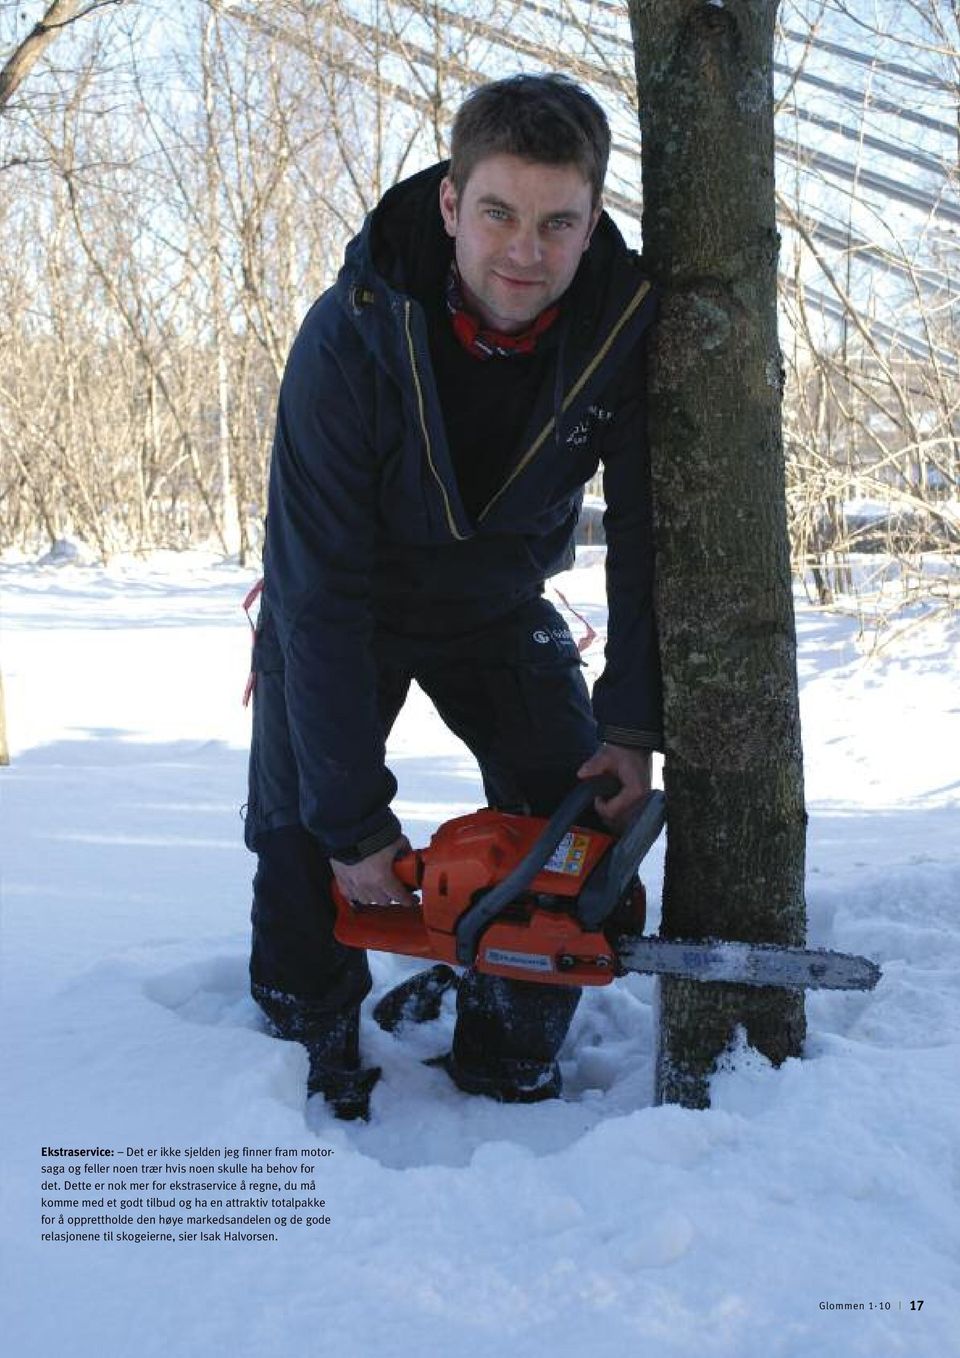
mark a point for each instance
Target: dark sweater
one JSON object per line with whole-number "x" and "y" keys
{"x": 486, "y": 405}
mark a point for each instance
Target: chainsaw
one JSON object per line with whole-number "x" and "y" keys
{"x": 552, "y": 901}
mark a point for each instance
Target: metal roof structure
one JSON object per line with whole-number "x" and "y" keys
{"x": 867, "y": 136}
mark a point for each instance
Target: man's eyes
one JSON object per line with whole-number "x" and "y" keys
{"x": 500, "y": 214}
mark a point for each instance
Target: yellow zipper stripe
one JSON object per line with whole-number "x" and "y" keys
{"x": 573, "y": 393}
{"x": 451, "y": 522}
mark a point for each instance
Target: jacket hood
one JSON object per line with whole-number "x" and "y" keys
{"x": 403, "y": 251}
{"x": 408, "y": 246}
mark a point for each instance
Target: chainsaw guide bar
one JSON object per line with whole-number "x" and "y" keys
{"x": 757, "y": 964}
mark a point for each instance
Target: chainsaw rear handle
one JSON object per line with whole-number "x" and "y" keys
{"x": 408, "y": 869}
{"x": 474, "y": 920}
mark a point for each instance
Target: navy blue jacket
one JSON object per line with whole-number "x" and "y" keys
{"x": 366, "y": 530}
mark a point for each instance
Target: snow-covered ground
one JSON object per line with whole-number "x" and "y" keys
{"x": 601, "y": 1224}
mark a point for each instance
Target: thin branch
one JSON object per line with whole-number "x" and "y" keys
{"x": 59, "y": 15}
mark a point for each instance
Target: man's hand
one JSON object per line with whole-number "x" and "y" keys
{"x": 372, "y": 880}
{"x": 634, "y": 769}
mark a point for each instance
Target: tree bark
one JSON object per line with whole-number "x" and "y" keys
{"x": 733, "y": 770}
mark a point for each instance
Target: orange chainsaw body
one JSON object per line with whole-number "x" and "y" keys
{"x": 537, "y": 937}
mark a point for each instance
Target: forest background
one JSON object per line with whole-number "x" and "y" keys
{"x": 178, "y": 183}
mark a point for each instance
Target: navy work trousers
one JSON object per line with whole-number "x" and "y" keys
{"x": 514, "y": 693}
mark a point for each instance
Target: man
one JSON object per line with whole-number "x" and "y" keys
{"x": 442, "y": 408}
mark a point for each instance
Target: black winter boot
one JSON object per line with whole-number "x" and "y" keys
{"x": 332, "y": 1041}
{"x": 417, "y": 999}
{"x": 508, "y": 1036}
{"x": 335, "y": 1067}
{"x": 507, "y": 1081}
{"x": 347, "y": 1092}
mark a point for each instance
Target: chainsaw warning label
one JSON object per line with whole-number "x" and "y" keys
{"x": 569, "y": 855}
{"x": 118, "y": 1195}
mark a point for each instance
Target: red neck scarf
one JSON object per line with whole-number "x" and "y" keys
{"x": 478, "y": 339}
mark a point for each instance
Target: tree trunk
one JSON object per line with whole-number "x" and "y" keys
{"x": 4, "y": 748}
{"x": 733, "y": 773}
{"x": 229, "y": 509}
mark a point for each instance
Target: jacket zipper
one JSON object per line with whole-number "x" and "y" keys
{"x": 572, "y": 394}
{"x": 451, "y": 521}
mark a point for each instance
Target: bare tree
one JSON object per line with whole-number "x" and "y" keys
{"x": 733, "y": 773}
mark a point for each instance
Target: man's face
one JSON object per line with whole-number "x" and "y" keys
{"x": 520, "y": 229}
